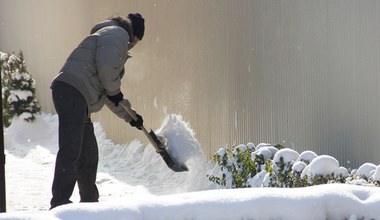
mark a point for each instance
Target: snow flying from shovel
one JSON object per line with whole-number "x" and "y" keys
{"x": 160, "y": 143}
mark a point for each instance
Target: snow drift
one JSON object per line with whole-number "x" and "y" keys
{"x": 135, "y": 183}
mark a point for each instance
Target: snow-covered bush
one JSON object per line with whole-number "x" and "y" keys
{"x": 269, "y": 166}
{"x": 236, "y": 166}
{"x": 321, "y": 170}
{"x": 239, "y": 165}
{"x": 18, "y": 89}
{"x": 366, "y": 171}
{"x": 297, "y": 178}
{"x": 282, "y": 165}
{"x": 366, "y": 174}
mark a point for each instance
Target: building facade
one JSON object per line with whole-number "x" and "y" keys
{"x": 300, "y": 73}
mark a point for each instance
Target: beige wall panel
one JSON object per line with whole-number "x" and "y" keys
{"x": 302, "y": 73}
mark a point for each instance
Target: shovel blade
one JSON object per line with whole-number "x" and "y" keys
{"x": 160, "y": 143}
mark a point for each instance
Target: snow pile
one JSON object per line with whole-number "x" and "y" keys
{"x": 135, "y": 183}
{"x": 23, "y": 135}
{"x": 313, "y": 203}
{"x": 333, "y": 201}
{"x": 140, "y": 165}
{"x": 124, "y": 169}
{"x": 182, "y": 144}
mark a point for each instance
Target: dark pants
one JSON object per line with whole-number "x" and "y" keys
{"x": 77, "y": 158}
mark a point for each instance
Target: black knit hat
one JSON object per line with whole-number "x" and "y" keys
{"x": 138, "y": 26}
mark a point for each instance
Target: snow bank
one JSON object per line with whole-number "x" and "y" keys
{"x": 124, "y": 169}
{"x": 333, "y": 201}
{"x": 312, "y": 203}
{"x": 135, "y": 183}
{"x": 43, "y": 131}
{"x": 141, "y": 165}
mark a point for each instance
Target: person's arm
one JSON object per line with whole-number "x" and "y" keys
{"x": 123, "y": 114}
{"x": 119, "y": 110}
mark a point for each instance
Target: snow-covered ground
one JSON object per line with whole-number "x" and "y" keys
{"x": 135, "y": 183}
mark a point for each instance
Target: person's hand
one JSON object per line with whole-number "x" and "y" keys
{"x": 137, "y": 123}
{"x": 116, "y": 99}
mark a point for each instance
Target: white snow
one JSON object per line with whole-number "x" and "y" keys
{"x": 376, "y": 175}
{"x": 12, "y": 58}
{"x": 16, "y": 95}
{"x": 322, "y": 165}
{"x": 365, "y": 170}
{"x": 135, "y": 183}
{"x": 250, "y": 145}
{"x": 341, "y": 171}
{"x": 3, "y": 56}
{"x": 181, "y": 142}
{"x": 266, "y": 150}
{"x": 263, "y": 145}
{"x": 288, "y": 155}
{"x": 307, "y": 156}
{"x": 258, "y": 179}
{"x": 298, "y": 166}
{"x": 263, "y": 151}
{"x": 221, "y": 152}
{"x": 26, "y": 116}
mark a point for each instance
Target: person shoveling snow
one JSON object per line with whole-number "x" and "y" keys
{"x": 90, "y": 79}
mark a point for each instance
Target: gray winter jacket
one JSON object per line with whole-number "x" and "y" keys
{"x": 96, "y": 66}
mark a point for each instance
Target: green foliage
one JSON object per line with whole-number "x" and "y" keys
{"x": 319, "y": 179}
{"x": 241, "y": 165}
{"x": 282, "y": 175}
{"x": 221, "y": 161}
{"x": 18, "y": 89}
{"x": 237, "y": 167}
{"x": 297, "y": 179}
{"x": 244, "y": 168}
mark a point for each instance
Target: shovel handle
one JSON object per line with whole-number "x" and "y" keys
{"x": 128, "y": 110}
{"x": 134, "y": 117}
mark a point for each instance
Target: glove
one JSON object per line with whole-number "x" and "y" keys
{"x": 115, "y": 99}
{"x": 138, "y": 123}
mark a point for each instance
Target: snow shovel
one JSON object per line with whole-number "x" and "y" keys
{"x": 159, "y": 143}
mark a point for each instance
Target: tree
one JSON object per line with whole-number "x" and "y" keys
{"x": 18, "y": 90}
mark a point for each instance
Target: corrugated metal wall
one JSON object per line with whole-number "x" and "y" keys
{"x": 302, "y": 73}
